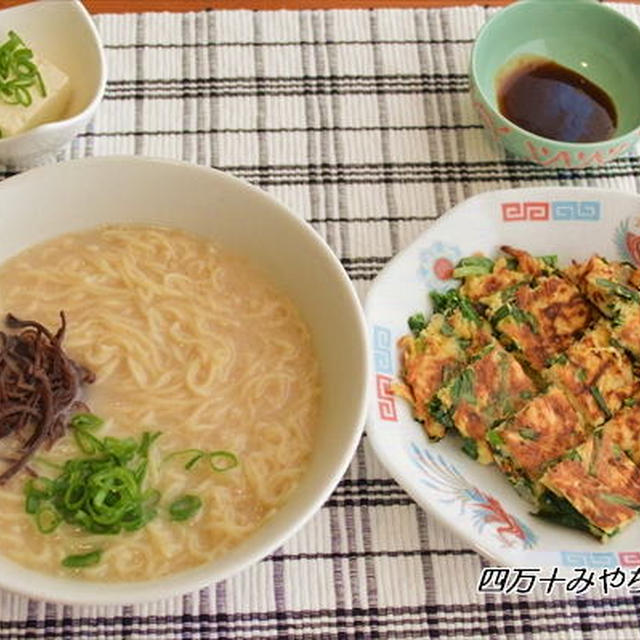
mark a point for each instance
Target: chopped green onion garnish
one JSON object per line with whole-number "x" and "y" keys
{"x": 102, "y": 493}
{"x": 185, "y": 507}
{"x": 83, "y": 560}
{"x": 86, "y": 421}
{"x": 47, "y": 519}
{"x": 87, "y": 442}
{"x": 148, "y": 439}
{"x": 220, "y": 461}
{"x": 18, "y": 73}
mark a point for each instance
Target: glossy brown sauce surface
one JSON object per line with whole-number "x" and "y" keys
{"x": 555, "y": 102}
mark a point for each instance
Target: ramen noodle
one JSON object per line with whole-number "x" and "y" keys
{"x": 186, "y": 339}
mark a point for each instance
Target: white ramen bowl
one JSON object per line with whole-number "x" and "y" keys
{"x": 64, "y": 33}
{"x": 48, "y": 201}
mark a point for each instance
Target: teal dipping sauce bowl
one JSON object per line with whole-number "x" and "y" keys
{"x": 593, "y": 40}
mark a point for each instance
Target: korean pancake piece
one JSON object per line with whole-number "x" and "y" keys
{"x": 605, "y": 283}
{"x": 596, "y": 375}
{"x": 484, "y": 279}
{"x": 595, "y": 488}
{"x": 541, "y": 321}
{"x": 613, "y": 287}
{"x": 491, "y": 388}
{"x": 435, "y": 351}
{"x": 540, "y": 433}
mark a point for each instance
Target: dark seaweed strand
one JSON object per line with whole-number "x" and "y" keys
{"x": 39, "y": 389}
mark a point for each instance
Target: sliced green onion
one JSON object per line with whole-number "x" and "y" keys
{"x": 102, "y": 493}
{"x": 40, "y": 486}
{"x": 184, "y": 507}
{"x": 32, "y": 503}
{"x": 189, "y": 465}
{"x": 220, "y": 461}
{"x": 87, "y": 442}
{"x": 47, "y": 519}
{"x": 86, "y": 421}
{"x": 83, "y": 560}
{"x": 148, "y": 438}
{"x": 124, "y": 449}
{"x": 18, "y": 73}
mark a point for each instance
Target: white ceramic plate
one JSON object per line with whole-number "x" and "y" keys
{"x": 477, "y": 502}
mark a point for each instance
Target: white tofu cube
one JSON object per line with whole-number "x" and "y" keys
{"x": 16, "y": 118}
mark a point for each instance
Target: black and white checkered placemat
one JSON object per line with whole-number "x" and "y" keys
{"x": 361, "y": 122}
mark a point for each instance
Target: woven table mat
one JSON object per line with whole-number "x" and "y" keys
{"x": 360, "y": 121}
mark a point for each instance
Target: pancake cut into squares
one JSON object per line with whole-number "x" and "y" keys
{"x": 542, "y": 321}
{"x": 435, "y": 351}
{"x": 597, "y": 376}
{"x": 595, "y": 487}
{"x": 491, "y": 388}
{"x": 540, "y": 433}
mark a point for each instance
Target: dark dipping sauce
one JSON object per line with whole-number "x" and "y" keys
{"x": 554, "y": 102}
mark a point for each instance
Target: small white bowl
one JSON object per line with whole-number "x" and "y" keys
{"x": 69, "y": 196}
{"x": 63, "y": 32}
